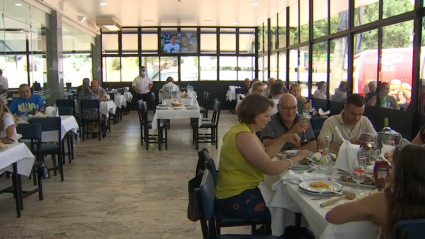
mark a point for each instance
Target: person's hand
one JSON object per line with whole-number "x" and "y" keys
{"x": 358, "y": 142}
{"x": 292, "y": 138}
{"x": 302, "y": 99}
{"x": 300, "y": 126}
{"x": 301, "y": 154}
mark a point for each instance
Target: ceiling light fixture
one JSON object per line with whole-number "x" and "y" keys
{"x": 18, "y": 4}
{"x": 255, "y": 4}
{"x": 208, "y": 20}
{"x": 81, "y": 18}
{"x": 235, "y": 23}
{"x": 148, "y": 20}
{"x": 103, "y": 3}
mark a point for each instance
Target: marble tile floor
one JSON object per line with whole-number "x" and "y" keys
{"x": 116, "y": 189}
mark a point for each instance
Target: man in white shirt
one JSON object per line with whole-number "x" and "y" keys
{"x": 350, "y": 122}
{"x": 142, "y": 85}
{"x": 172, "y": 47}
{"x": 276, "y": 90}
{"x": 4, "y": 85}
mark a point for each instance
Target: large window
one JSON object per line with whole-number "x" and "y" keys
{"x": 209, "y": 43}
{"x": 152, "y": 67}
{"x": 320, "y": 68}
{"x": 112, "y": 69}
{"x": 282, "y": 29}
{"x": 339, "y": 15}
{"x": 303, "y": 70}
{"x": 273, "y": 66}
{"x": 261, "y": 68}
{"x": 130, "y": 43}
{"x": 228, "y": 68}
{"x": 246, "y": 41}
{"x": 228, "y": 40}
{"x": 396, "y": 7}
{"x": 130, "y": 68}
{"x": 365, "y": 12}
{"x": 338, "y": 65}
{"x": 208, "y": 68}
{"x": 149, "y": 43}
{"x": 282, "y": 66}
{"x": 320, "y": 15}
{"x": 246, "y": 66}
{"x": 274, "y": 29}
{"x": 189, "y": 68}
{"x": 304, "y": 22}
{"x": 169, "y": 67}
{"x": 293, "y": 66}
{"x": 293, "y": 24}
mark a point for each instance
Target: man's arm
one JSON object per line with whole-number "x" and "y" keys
{"x": 327, "y": 130}
{"x": 312, "y": 144}
{"x": 14, "y": 106}
{"x": 150, "y": 83}
{"x": 41, "y": 106}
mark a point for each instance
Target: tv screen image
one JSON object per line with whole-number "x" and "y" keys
{"x": 178, "y": 42}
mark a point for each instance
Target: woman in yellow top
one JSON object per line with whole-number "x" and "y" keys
{"x": 244, "y": 160}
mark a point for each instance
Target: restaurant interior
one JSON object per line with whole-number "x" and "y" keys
{"x": 130, "y": 178}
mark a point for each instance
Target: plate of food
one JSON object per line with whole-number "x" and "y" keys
{"x": 2, "y": 147}
{"x": 369, "y": 182}
{"x": 293, "y": 152}
{"x": 320, "y": 187}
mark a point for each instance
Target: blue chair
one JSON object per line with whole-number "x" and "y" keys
{"x": 317, "y": 124}
{"x": 54, "y": 148}
{"x": 409, "y": 229}
{"x": 223, "y": 220}
{"x": 205, "y": 196}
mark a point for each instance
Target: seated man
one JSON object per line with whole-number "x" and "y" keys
{"x": 28, "y": 103}
{"x": 98, "y": 91}
{"x": 286, "y": 121}
{"x": 350, "y": 122}
{"x": 276, "y": 90}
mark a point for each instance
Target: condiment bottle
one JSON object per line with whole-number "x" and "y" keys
{"x": 380, "y": 173}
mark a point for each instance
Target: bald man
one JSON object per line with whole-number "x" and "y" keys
{"x": 245, "y": 89}
{"x": 287, "y": 121}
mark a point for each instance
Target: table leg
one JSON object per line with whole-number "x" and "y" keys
{"x": 298, "y": 219}
{"x": 158, "y": 126}
{"x": 16, "y": 189}
{"x": 196, "y": 133}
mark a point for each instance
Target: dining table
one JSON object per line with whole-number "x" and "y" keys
{"x": 107, "y": 107}
{"x": 18, "y": 160}
{"x": 287, "y": 201}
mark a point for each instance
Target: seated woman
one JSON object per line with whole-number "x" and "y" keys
{"x": 302, "y": 102}
{"x": 404, "y": 202}
{"x": 87, "y": 94}
{"x": 257, "y": 88}
{"x": 7, "y": 124}
{"x": 244, "y": 160}
{"x": 340, "y": 93}
{"x": 385, "y": 100}
{"x": 320, "y": 93}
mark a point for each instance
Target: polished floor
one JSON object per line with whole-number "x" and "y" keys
{"x": 116, "y": 189}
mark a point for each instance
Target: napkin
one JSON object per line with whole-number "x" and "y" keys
{"x": 296, "y": 178}
{"x": 346, "y": 154}
{"x": 340, "y": 202}
{"x": 51, "y": 111}
{"x": 323, "y": 113}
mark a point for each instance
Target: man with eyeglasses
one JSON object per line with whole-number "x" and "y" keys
{"x": 287, "y": 121}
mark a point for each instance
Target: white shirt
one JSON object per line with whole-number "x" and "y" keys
{"x": 7, "y": 121}
{"x": 142, "y": 84}
{"x": 274, "y": 109}
{"x": 4, "y": 82}
{"x": 171, "y": 48}
{"x": 173, "y": 86}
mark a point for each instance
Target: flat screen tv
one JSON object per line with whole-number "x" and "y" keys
{"x": 179, "y": 42}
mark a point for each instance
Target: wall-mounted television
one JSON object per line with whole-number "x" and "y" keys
{"x": 179, "y": 42}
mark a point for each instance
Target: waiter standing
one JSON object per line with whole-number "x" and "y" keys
{"x": 4, "y": 85}
{"x": 142, "y": 84}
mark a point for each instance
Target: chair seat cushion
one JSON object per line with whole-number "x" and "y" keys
{"x": 225, "y": 219}
{"x": 207, "y": 125}
{"x": 47, "y": 147}
{"x": 231, "y": 236}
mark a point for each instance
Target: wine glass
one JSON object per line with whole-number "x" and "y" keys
{"x": 359, "y": 171}
{"x": 370, "y": 140}
{"x": 304, "y": 119}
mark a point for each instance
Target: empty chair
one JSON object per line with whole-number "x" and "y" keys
{"x": 145, "y": 125}
{"x": 213, "y": 125}
{"x": 204, "y": 107}
{"x": 55, "y": 148}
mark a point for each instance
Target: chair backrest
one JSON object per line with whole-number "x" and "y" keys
{"x": 65, "y": 103}
{"x": 317, "y": 122}
{"x": 111, "y": 96}
{"x": 238, "y": 91}
{"x": 143, "y": 108}
{"x": 29, "y": 131}
{"x": 205, "y": 197}
{"x": 216, "y": 114}
{"x": 206, "y": 99}
{"x": 409, "y": 229}
{"x": 139, "y": 110}
{"x": 49, "y": 124}
{"x": 90, "y": 105}
{"x": 210, "y": 165}
{"x": 66, "y": 111}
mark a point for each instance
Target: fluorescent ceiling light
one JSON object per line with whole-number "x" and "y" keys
{"x": 235, "y": 23}
{"x": 81, "y": 18}
{"x": 255, "y": 4}
{"x": 208, "y": 20}
{"x": 112, "y": 27}
{"x": 18, "y": 4}
{"x": 103, "y": 3}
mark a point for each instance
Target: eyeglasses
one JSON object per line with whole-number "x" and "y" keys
{"x": 293, "y": 108}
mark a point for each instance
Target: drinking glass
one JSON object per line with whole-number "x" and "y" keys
{"x": 370, "y": 140}
{"x": 359, "y": 171}
{"x": 304, "y": 119}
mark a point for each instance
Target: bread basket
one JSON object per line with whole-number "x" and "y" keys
{"x": 176, "y": 104}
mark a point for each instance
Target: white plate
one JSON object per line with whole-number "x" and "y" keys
{"x": 16, "y": 136}
{"x": 333, "y": 187}
{"x": 162, "y": 108}
{"x": 178, "y": 108}
{"x": 355, "y": 185}
{"x": 326, "y": 194}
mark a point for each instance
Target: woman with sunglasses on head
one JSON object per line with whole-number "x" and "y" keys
{"x": 302, "y": 102}
{"x": 7, "y": 124}
{"x": 405, "y": 201}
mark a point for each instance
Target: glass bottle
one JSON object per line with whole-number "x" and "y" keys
{"x": 386, "y": 125}
{"x": 325, "y": 163}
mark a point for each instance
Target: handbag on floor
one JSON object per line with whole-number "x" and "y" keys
{"x": 195, "y": 182}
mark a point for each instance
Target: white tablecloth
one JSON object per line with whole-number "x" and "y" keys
{"x": 290, "y": 198}
{"x": 17, "y": 152}
{"x": 231, "y": 95}
{"x": 107, "y": 107}
{"x": 128, "y": 96}
{"x": 120, "y": 101}
{"x": 176, "y": 114}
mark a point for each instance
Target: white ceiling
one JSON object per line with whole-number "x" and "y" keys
{"x": 184, "y": 13}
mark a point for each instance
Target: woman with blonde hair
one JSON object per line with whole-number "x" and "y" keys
{"x": 302, "y": 103}
{"x": 7, "y": 124}
{"x": 257, "y": 88}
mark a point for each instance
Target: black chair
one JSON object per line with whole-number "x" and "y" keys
{"x": 47, "y": 125}
{"x": 66, "y": 103}
{"x": 66, "y": 111}
{"x": 92, "y": 105}
{"x": 409, "y": 229}
{"x": 222, "y": 220}
{"x": 118, "y": 113}
{"x": 213, "y": 125}
{"x": 204, "y": 107}
{"x": 31, "y": 132}
{"x": 316, "y": 124}
{"x": 146, "y": 124}
{"x": 205, "y": 196}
